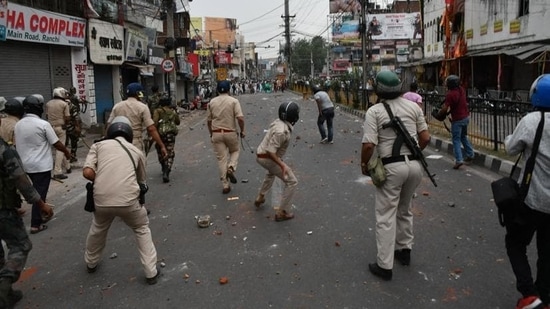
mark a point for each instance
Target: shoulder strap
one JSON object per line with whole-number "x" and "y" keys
{"x": 530, "y": 165}
{"x": 130, "y": 155}
{"x": 400, "y": 139}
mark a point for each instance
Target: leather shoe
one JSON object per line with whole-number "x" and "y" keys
{"x": 91, "y": 270}
{"x": 60, "y": 176}
{"x": 457, "y": 165}
{"x": 376, "y": 270}
{"x": 259, "y": 201}
{"x": 403, "y": 256}
{"x": 230, "y": 174}
{"x": 153, "y": 280}
{"x": 282, "y": 215}
{"x": 226, "y": 190}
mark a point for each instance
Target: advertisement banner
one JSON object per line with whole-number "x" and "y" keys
{"x": 394, "y": 26}
{"x": 106, "y": 42}
{"x": 344, "y": 6}
{"x": 220, "y": 31}
{"x": 3, "y": 19}
{"x": 197, "y": 34}
{"x": 79, "y": 68}
{"x": 223, "y": 58}
{"x": 136, "y": 46}
{"x": 37, "y": 26}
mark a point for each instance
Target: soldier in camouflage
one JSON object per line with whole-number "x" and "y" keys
{"x": 12, "y": 230}
{"x": 167, "y": 121}
{"x": 74, "y": 125}
{"x": 154, "y": 99}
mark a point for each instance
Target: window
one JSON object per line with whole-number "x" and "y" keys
{"x": 523, "y": 7}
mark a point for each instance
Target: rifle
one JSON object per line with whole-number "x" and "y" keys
{"x": 399, "y": 128}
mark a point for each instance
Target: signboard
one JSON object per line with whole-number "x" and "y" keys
{"x": 106, "y": 42}
{"x": 3, "y": 19}
{"x": 167, "y": 65}
{"x": 221, "y": 73}
{"x": 394, "y": 26}
{"x": 136, "y": 45}
{"x": 220, "y": 31}
{"x": 79, "y": 69}
{"x": 37, "y": 26}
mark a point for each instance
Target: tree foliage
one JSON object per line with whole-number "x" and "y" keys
{"x": 304, "y": 52}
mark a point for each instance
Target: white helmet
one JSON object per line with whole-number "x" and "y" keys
{"x": 60, "y": 92}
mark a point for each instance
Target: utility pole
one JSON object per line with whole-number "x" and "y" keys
{"x": 328, "y": 47}
{"x": 364, "y": 38}
{"x": 171, "y": 52}
{"x": 287, "y": 41}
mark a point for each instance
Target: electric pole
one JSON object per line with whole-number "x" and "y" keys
{"x": 171, "y": 50}
{"x": 364, "y": 59}
{"x": 287, "y": 41}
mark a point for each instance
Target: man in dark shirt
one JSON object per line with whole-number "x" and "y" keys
{"x": 456, "y": 104}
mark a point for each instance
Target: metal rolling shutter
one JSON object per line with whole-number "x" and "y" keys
{"x": 24, "y": 69}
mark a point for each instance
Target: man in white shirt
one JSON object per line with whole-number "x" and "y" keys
{"x": 34, "y": 138}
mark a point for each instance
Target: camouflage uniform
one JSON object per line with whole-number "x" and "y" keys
{"x": 166, "y": 113}
{"x": 73, "y": 127}
{"x": 12, "y": 229}
{"x": 153, "y": 101}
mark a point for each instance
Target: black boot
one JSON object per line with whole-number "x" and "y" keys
{"x": 5, "y": 289}
{"x": 166, "y": 175}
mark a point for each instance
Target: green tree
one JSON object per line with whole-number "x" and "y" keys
{"x": 304, "y": 52}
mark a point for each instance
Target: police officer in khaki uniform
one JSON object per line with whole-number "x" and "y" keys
{"x": 58, "y": 115}
{"x": 13, "y": 109}
{"x": 394, "y": 218}
{"x": 116, "y": 167}
{"x": 222, "y": 112}
{"x": 139, "y": 115}
{"x": 269, "y": 155}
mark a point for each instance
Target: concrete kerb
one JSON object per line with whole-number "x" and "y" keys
{"x": 493, "y": 163}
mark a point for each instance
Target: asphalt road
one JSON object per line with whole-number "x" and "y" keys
{"x": 317, "y": 260}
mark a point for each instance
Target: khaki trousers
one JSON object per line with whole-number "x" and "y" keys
{"x": 226, "y": 148}
{"x": 394, "y": 219}
{"x": 60, "y": 160}
{"x": 274, "y": 170}
{"x": 136, "y": 218}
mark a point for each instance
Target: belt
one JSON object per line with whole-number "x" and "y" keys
{"x": 263, "y": 156}
{"x": 222, "y": 131}
{"x": 401, "y": 158}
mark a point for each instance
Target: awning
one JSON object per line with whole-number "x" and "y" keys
{"x": 537, "y": 51}
{"x": 144, "y": 69}
{"x": 514, "y": 50}
{"x": 422, "y": 62}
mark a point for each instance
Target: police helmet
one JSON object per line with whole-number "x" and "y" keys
{"x": 540, "y": 92}
{"x": 290, "y": 112}
{"x": 120, "y": 127}
{"x": 60, "y": 93}
{"x": 14, "y": 107}
{"x": 223, "y": 86}
{"x": 387, "y": 85}
{"x": 134, "y": 90}
{"x": 165, "y": 100}
{"x": 452, "y": 82}
{"x": 34, "y": 104}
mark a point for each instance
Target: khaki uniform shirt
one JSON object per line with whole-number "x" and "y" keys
{"x": 116, "y": 181}
{"x": 7, "y": 127}
{"x": 222, "y": 111}
{"x": 277, "y": 138}
{"x": 410, "y": 114}
{"x": 56, "y": 111}
{"x": 138, "y": 114}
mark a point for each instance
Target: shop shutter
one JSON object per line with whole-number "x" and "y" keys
{"x": 25, "y": 69}
{"x": 61, "y": 66}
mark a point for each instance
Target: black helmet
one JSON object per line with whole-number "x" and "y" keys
{"x": 290, "y": 112}
{"x": 14, "y": 107}
{"x": 452, "y": 81}
{"x": 165, "y": 101}
{"x": 33, "y": 105}
{"x": 387, "y": 85}
{"x": 223, "y": 86}
{"x": 315, "y": 89}
{"x": 120, "y": 127}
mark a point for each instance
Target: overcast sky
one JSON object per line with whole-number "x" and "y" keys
{"x": 260, "y": 20}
